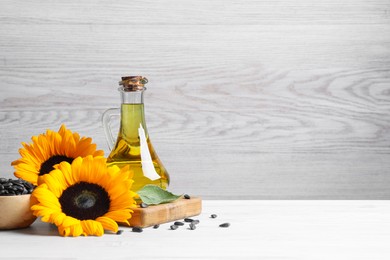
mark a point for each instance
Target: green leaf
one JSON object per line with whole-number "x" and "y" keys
{"x": 154, "y": 195}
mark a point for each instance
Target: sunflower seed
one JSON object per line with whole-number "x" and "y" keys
{"x": 224, "y": 225}
{"x": 178, "y": 223}
{"x": 174, "y": 227}
{"x": 195, "y": 222}
{"x": 156, "y": 226}
{"x": 144, "y": 205}
{"x": 17, "y": 184}
{"x": 186, "y": 196}
{"x": 192, "y": 226}
{"x": 1, "y": 187}
{"x": 28, "y": 185}
{"x": 188, "y": 220}
{"x": 137, "y": 229}
{"x": 213, "y": 216}
{"x": 119, "y": 232}
{"x": 3, "y": 180}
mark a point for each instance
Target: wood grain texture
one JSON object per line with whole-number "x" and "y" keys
{"x": 318, "y": 230}
{"x": 164, "y": 213}
{"x": 254, "y": 99}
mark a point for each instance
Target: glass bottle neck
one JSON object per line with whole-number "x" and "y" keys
{"x": 132, "y": 115}
{"x": 132, "y": 97}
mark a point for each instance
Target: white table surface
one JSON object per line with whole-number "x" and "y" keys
{"x": 259, "y": 230}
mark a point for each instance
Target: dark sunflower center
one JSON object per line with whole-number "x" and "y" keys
{"x": 85, "y": 200}
{"x": 48, "y": 165}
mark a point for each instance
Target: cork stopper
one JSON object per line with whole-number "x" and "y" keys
{"x": 133, "y": 83}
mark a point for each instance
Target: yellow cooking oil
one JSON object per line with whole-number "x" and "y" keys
{"x": 133, "y": 148}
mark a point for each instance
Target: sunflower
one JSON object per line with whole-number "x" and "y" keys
{"x": 85, "y": 197}
{"x": 49, "y": 149}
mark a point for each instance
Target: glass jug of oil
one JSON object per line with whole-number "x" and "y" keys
{"x": 132, "y": 146}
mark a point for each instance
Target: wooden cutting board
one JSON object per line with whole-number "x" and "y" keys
{"x": 163, "y": 213}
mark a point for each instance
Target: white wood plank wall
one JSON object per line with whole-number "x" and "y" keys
{"x": 246, "y": 99}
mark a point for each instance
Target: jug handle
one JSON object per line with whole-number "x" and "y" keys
{"x": 106, "y": 119}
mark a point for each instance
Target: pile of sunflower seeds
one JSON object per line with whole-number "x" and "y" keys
{"x": 9, "y": 187}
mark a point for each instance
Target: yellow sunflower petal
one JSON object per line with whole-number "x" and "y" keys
{"x": 119, "y": 215}
{"x": 108, "y": 224}
{"x": 86, "y": 173}
{"x": 99, "y": 171}
{"x": 26, "y": 168}
{"x": 75, "y": 230}
{"x": 57, "y": 218}
{"x": 70, "y": 221}
{"x": 29, "y": 158}
{"x": 51, "y": 139}
{"x": 64, "y": 231}
{"x": 31, "y": 149}
{"x": 115, "y": 192}
{"x": 41, "y": 148}
{"x": 98, "y": 153}
{"x": 46, "y": 197}
{"x": 93, "y": 170}
{"x": 27, "y": 176}
{"x": 119, "y": 177}
{"x": 86, "y": 147}
{"x": 43, "y": 211}
{"x": 55, "y": 182}
{"x": 77, "y": 168}
{"x": 46, "y": 216}
{"x": 122, "y": 201}
{"x": 68, "y": 143}
{"x": 57, "y": 141}
{"x": 76, "y": 137}
{"x": 92, "y": 227}
{"x": 62, "y": 130}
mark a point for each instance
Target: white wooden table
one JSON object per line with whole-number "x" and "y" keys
{"x": 259, "y": 230}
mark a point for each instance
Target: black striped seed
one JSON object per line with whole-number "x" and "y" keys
{"x": 174, "y": 227}
{"x": 137, "y": 229}
{"x": 144, "y": 205}
{"x": 224, "y": 225}
{"x": 192, "y": 226}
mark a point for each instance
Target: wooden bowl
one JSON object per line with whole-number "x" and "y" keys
{"x": 15, "y": 212}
